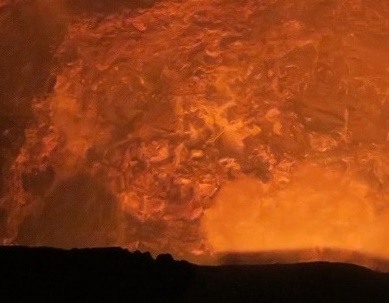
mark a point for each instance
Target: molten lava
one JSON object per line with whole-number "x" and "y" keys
{"x": 202, "y": 127}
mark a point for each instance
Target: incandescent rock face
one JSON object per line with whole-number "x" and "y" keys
{"x": 161, "y": 104}
{"x": 29, "y": 34}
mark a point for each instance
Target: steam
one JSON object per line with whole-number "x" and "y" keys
{"x": 321, "y": 207}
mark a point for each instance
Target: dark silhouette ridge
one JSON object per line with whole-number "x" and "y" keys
{"x": 116, "y": 275}
{"x": 282, "y": 256}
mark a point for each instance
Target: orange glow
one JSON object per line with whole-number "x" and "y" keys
{"x": 203, "y": 127}
{"x": 321, "y": 207}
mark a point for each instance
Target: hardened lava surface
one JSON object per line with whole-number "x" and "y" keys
{"x": 206, "y": 126}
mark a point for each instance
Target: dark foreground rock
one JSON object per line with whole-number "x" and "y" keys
{"x": 116, "y": 275}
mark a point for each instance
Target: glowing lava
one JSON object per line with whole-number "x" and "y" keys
{"x": 207, "y": 126}
{"x": 321, "y": 207}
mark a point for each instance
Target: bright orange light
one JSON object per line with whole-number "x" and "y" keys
{"x": 210, "y": 126}
{"x": 321, "y": 207}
